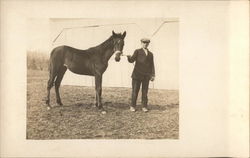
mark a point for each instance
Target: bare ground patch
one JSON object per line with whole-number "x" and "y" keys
{"x": 79, "y": 119}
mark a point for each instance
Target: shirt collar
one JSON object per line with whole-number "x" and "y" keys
{"x": 145, "y": 50}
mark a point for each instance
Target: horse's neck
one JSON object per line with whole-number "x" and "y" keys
{"x": 107, "y": 55}
{"x": 107, "y": 50}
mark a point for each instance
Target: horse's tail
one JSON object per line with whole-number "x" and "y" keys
{"x": 50, "y": 66}
{"x": 55, "y": 61}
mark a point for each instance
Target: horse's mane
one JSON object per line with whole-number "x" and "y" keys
{"x": 104, "y": 44}
{"x": 97, "y": 48}
{"x": 100, "y": 46}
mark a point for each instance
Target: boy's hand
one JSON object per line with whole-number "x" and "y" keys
{"x": 128, "y": 56}
{"x": 152, "y": 78}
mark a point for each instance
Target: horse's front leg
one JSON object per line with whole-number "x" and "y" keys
{"x": 98, "y": 89}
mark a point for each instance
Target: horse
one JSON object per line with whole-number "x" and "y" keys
{"x": 91, "y": 62}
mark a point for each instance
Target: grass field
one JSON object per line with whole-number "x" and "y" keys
{"x": 79, "y": 119}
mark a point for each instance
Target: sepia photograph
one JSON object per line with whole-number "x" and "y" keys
{"x": 130, "y": 78}
{"x": 102, "y": 79}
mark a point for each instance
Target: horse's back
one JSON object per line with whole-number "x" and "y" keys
{"x": 57, "y": 52}
{"x": 78, "y": 61}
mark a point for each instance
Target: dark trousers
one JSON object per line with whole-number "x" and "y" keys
{"x": 136, "y": 84}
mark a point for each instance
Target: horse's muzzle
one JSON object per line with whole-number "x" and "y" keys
{"x": 118, "y": 56}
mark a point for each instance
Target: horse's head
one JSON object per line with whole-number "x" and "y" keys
{"x": 118, "y": 40}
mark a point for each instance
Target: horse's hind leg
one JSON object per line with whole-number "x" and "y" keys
{"x": 58, "y": 83}
{"x": 49, "y": 86}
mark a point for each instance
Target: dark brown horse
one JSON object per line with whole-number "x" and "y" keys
{"x": 92, "y": 62}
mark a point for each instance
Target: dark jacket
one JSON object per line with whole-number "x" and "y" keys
{"x": 144, "y": 65}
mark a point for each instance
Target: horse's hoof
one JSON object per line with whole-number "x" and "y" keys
{"x": 47, "y": 102}
{"x": 60, "y": 104}
{"x": 96, "y": 105}
{"x": 48, "y": 107}
{"x": 104, "y": 112}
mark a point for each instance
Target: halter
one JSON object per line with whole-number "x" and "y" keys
{"x": 117, "y": 43}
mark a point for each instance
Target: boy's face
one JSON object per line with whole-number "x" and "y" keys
{"x": 144, "y": 44}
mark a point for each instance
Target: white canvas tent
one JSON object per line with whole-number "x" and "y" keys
{"x": 164, "y": 45}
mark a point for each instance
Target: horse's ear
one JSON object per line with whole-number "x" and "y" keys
{"x": 113, "y": 33}
{"x": 124, "y": 34}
